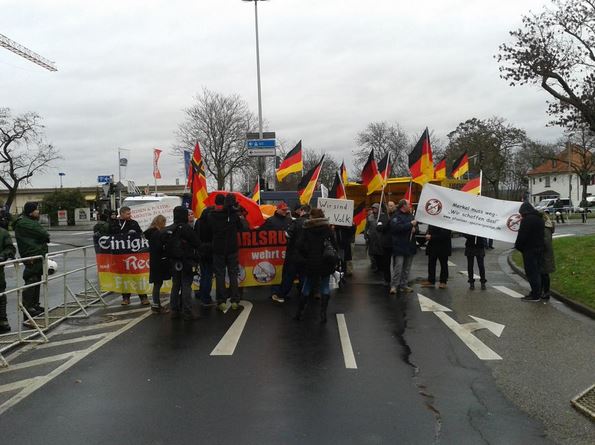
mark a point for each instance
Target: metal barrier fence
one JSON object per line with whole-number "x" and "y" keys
{"x": 74, "y": 304}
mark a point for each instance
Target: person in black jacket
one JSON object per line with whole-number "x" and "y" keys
{"x": 475, "y": 250}
{"x": 203, "y": 229}
{"x": 159, "y": 270}
{"x": 291, "y": 266}
{"x": 225, "y": 221}
{"x": 279, "y": 221}
{"x": 311, "y": 247}
{"x": 182, "y": 263}
{"x": 402, "y": 228}
{"x": 123, "y": 225}
{"x": 439, "y": 248}
{"x": 530, "y": 242}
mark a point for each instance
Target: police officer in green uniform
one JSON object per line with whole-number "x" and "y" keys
{"x": 32, "y": 240}
{"x": 7, "y": 252}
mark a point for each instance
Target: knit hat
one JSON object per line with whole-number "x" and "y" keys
{"x": 30, "y": 207}
{"x": 375, "y": 205}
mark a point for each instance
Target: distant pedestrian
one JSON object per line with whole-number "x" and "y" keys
{"x": 475, "y": 251}
{"x": 102, "y": 227}
{"x": 32, "y": 240}
{"x": 159, "y": 268}
{"x": 438, "y": 248}
{"x": 548, "y": 264}
{"x": 530, "y": 242}
{"x": 403, "y": 227}
{"x": 280, "y": 220}
{"x": 316, "y": 241}
{"x": 7, "y": 252}
{"x": 126, "y": 225}
{"x": 376, "y": 229}
{"x": 205, "y": 233}
{"x": 372, "y": 216}
{"x": 292, "y": 269}
{"x": 490, "y": 242}
{"x": 584, "y": 214}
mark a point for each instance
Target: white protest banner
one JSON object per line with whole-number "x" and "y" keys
{"x": 145, "y": 213}
{"x": 467, "y": 213}
{"x": 338, "y": 211}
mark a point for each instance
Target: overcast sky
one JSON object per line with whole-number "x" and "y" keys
{"x": 127, "y": 69}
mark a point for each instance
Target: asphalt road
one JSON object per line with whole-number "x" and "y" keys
{"x": 132, "y": 377}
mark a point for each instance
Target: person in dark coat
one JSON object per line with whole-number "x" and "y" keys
{"x": 530, "y": 243}
{"x": 102, "y": 227}
{"x": 7, "y": 252}
{"x": 402, "y": 228}
{"x": 548, "y": 265}
{"x": 377, "y": 246}
{"x": 475, "y": 250}
{"x": 438, "y": 248}
{"x": 311, "y": 246}
{"x": 182, "y": 266}
{"x": 159, "y": 269}
{"x": 204, "y": 232}
{"x": 225, "y": 221}
{"x": 291, "y": 266}
{"x": 280, "y": 220}
{"x": 123, "y": 225}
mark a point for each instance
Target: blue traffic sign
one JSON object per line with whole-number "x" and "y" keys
{"x": 261, "y": 143}
{"x": 105, "y": 179}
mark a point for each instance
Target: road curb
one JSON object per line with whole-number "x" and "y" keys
{"x": 579, "y": 307}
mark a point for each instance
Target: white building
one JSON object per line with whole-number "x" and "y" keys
{"x": 555, "y": 179}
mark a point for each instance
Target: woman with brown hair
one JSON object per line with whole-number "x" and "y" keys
{"x": 159, "y": 270}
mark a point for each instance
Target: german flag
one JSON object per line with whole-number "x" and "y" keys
{"x": 473, "y": 186}
{"x": 292, "y": 163}
{"x": 197, "y": 182}
{"x": 307, "y": 185}
{"x": 337, "y": 191}
{"x": 360, "y": 214}
{"x": 343, "y": 172}
{"x": 440, "y": 169}
{"x": 384, "y": 167}
{"x": 461, "y": 166}
{"x": 256, "y": 191}
{"x": 370, "y": 176}
{"x": 421, "y": 164}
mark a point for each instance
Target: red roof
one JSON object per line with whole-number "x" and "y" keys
{"x": 558, "y": 165}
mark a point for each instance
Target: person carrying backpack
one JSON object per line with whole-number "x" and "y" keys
{"x": 159, "y": 270}
{"x": 317, "y": 248}
{"x": 180, "y": 244}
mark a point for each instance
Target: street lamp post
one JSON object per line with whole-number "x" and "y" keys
{"x": 61, "y": 174}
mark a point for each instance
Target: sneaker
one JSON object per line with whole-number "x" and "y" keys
{"x": 471, "y": 286}
{"x": 546, "y": 296}
{"x": 483, "y": 286}
{"x": 428, "y": 284}
{"x": 144, "y": 301}
{"x": 39, "y": 309}
{"x": 393, "y": 291}
{"x": 156, "y": 309}
{"x": 125, "y": 301}
{"x": 33, "y": 312}
{"x": 277, "y": 299}
{"x": 222, "y": 307}
{"x": 442, "y": 285}
{"x": 531, "y": 299}
{"x": 235, "y": 306}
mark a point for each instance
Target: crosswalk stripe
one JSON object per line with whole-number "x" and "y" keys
{"x": 18, "y": 384}
{"x": 475, "y": 276}
{"x": 38, "y": 362}
{"x": 84, "y": 338}
{"x": 508, "y": 291}
{"x": 230, "y": 340}
{"x": 348, "y": 355}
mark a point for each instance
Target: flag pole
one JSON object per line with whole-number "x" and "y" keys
{"x": 319, "y": 171}
{"x": 383, "y": 185}
{"x": 259, "y": 191}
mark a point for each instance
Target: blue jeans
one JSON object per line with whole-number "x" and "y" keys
{"x": 321, "y": 282}
{"x": 206, "y": 282}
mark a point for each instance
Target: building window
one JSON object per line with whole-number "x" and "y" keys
{"x": 554, "y": 179}
{"x": 539, "y": 179}
{"x": 533, "y": 181}
{"x": 547, "y": 181}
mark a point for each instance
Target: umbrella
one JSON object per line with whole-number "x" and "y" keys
{"x": 254, "y": 215}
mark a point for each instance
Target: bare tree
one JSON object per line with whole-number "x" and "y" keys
{"x": 220, "y": 124}
{"x": 382, "y": 138}
{"x": 556, "y": 50}
{"x": 579, "y": 158}
{"x": 23, "y": 152}
{"x": 529, "y": 155}
{"x": 329, "y": 166}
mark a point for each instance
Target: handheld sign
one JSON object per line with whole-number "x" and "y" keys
{"x": 338, "y": 211}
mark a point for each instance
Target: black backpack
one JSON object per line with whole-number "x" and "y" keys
{"x": 173, "y": 244}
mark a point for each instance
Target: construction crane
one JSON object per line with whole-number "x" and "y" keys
{"x": 20, "y": 50}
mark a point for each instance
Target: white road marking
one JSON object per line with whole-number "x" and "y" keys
{"x": 492, "y": 326}
{"x": 78, "y": 356}
{"x": 130, "y": 311}
{"x": 348, "y": 355}
{"x": 79, "y": 233}
{"x": 477, "y": 346}
{"x": 451, "y": 264}
{"x": 38, "y": 362}
{"x": 17, "y": 385}
{"x": 70, "y": 341}
{"x": 227, "y": 345}
{"x": 428, "y": 305}
{"x": 53, "y": 244}
{"x": 508, "y": 291}
{"x": 464, "y": 272}
{"x": 96, "y": 327}
{"x": 562, "y": 235}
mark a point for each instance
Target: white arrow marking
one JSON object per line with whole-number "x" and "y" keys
{"x": 428, "y": 305}
{"x": 464, "y": 272}
{"x": 230, "y": 340}
{"x": 348, "y": 355}
{"x": 492, "y": 326}
{"x": 451, "y": 264}
{"x": 508, "y": 291}
{"x": 477, "y": 346}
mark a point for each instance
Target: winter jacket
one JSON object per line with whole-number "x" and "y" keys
{"x": 549, "y": 263}
{"x": 101, "y": 228}
{"x": 375, "y": 234}
{"x": 7, "y": 252}
{"x": 276, "y": 222}
{"x": 190, "y": 240}
{"x": 311, "y": 246}
{"x": 293, "y": 233}
{"x": 344, "y": 236}
{"x": 205, "y": 233}
{"x": 32, "y": 239}
{"x": 159, "y": 269}
{"x": 403, "y": 240}
{"x": 439, "y": 244}
{"x": 530, "y": 236}
{"x": 125, "y": 226}
{"x": 225, "y": 224}
{"x": 384, "y": 229}
{"x": 475, "y": 245}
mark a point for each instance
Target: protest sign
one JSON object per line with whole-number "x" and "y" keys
{"x": 338, "y": 211}
{"x": 144, "y": 213}
{"x": 467, "y": 213}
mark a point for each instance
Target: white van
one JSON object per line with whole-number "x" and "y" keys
{"x": 146, "y": 207}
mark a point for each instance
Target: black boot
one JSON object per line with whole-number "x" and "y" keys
{"x": 471, "y": 285}
{"x": 323, "y": 307}
{"x": 301, "y": 305}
